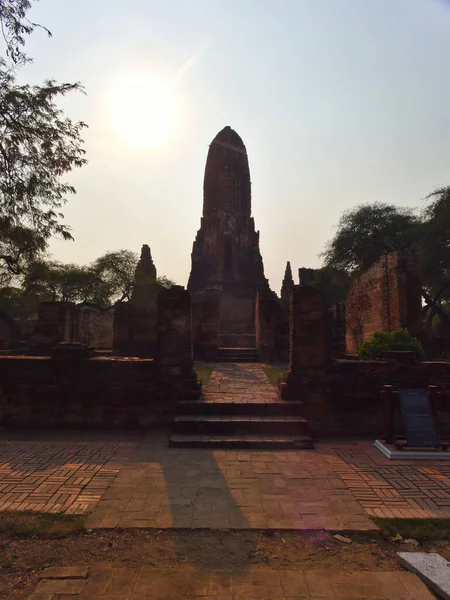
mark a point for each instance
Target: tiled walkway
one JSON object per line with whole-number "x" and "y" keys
{"x": 385, "y": 488}
{"x": 240, "y": 382}
{"x": 54, "y": 476}
{"x": 106, "y": 581}
{"x": 144, "y": 483}
{"x": 176, "y": 487}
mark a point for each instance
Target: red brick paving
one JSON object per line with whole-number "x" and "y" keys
{"x": 386, "y": 488}
{"x": 57, "y": 477}
{"x": 264, "y": 583}
{"x": 240, "y": 382}
{"x": 177, "y": 487}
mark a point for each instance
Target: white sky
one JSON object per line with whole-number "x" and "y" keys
{"x": 338, "y": 102}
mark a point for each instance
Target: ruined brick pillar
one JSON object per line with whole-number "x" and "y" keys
{"x": 338, "y": 330}
{"x": 309, "y": 355}
{"x": 265, "y": 325}
{"x": 175, "y": 329}
{"x": 309, "y": 340}
{"x": 55, "y": 324}
{"x": 174, "y": 351}
{"x": 207, "y": 338}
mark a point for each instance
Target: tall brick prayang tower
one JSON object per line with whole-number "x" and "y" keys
{"x": 225, "y": 254}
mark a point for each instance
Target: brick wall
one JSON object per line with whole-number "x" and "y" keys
{"x": 56, "y": 324}
{"x": 97, "y": 392}
{"x": 205, "y": 324}
{"x": 272, "y": 327}
{"x": 385, "y": 298}
{"x": 349, "y": 403}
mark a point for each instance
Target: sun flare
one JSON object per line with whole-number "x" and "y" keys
{"x": 143, "y": 111}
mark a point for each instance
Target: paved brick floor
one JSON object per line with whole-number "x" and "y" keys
{"x": 386, "y": 488}
{"x": 57, "y": 476}
{"x": 106, "y": 581}
{"x": 178, "y": 487}
{"x": 240, "y": 382}
{"x": 144, "y": 483}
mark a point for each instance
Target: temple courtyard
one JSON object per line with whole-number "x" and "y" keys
{"x": 120, "y": 483}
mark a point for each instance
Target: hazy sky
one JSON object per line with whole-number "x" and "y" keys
{"x": 338, "y": 102}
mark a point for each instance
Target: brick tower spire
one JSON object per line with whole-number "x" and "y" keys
{"x": 288, "y": 284}
{"x": 226, "y": 254}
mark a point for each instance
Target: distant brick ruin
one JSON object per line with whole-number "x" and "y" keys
{"x": 225, "y": 254}
{"x": 135, "y": 321}
{"x": 385, "y": 298}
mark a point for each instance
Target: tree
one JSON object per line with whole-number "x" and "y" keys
{"x": 435, "y": 254}
{"x": 38, "y": 146}
{"x": 116, "y": 270}
{"x": 165, "y": 282}
{"x": 367, "y": 232}
{"x": 333, "y": 283}
{"x": 58, "y": 282}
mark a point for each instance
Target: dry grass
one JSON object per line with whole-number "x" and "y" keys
{"x": 39, "y": 525}
{"x": 422, "y": 530}
{"x": 204, "y": 370}
{"x": 275, "y": 372}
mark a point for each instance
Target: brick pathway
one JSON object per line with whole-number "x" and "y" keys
{"x": 176, "y": 487}
{"x": 57, "y": 476}
{"x": 107, "y": 581}
{"x": 386, "y": 488}
{"x": 240, "y": 382}
{"x": 144, "y": 483}
{"x": 147, "y": 484}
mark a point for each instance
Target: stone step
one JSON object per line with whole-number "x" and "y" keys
{"x": 237, "y": 355}
{"x": 249, "y": 442}
{"x": 240, "y": 425}
{"x": 239, "y": 340}
{"x": 200, "y": 407}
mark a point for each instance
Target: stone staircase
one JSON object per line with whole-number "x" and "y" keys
{"x": 238, "y": 355}
{"x": 253, "y": 425}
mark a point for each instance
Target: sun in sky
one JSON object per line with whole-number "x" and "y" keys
{"x": 144, "y": 111}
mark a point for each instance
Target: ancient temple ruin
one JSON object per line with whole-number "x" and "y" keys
{"x": 225, "y": 255}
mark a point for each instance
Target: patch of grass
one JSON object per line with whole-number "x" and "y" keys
{"x": 422, "y": 530}
{"x": 204, "y": 370}
{"x": 275, "y": 372}
{"x": 39, "y": 525}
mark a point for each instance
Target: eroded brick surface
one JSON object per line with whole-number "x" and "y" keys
{"x": 240, "y": 382}
{"x": 245, "y": 583}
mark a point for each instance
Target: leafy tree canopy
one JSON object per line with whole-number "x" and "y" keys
{"x": 39, "y": 145}
{"x": 109, "y": 279}
{"x": 333, "y": 283}
{"x": 366, "y": 232}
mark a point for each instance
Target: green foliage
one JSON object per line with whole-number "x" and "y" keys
{"x": 435, "y": 254}
{"x": 108, "y": 279}
{"x": 204, "y": 371}
{"x": 38, "y": 146}
{"x": 39, "y": 525}
{"x": 382, "y": 341}
{"x": 17, "y": 303}
{"x": 275, "y": 373}
{"x": 366, "y": 232}
{"x": 333, "y": 283}
{"x": 423, "y": 530}
{"x": 116, "y": 270}
{"x": 54, "y": 281}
